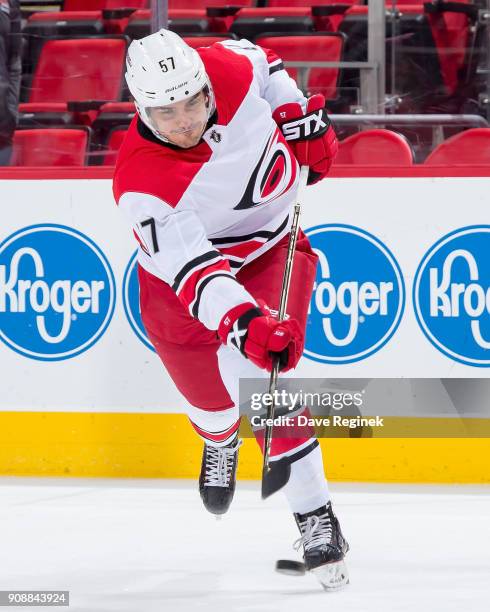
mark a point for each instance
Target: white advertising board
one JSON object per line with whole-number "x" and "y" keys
{"x": 403, "y": 290}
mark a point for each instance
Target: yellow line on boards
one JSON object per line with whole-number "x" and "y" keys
{"x": 137, "y": 445}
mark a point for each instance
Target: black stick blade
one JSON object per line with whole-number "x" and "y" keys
{"x": 275, "y": 476}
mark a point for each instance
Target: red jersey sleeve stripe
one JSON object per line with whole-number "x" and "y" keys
{"x": 270, "y": 55}
{"x": 274, "y": 61}
{"x": 187, "y": 293}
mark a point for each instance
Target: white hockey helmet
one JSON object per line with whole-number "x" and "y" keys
{"x": 163, "y": 69}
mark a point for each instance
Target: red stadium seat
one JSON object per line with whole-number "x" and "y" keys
{"x": 115, "y": 141}
{"x": 79, "y": 69}
{"x": 181, "y": 21}
{"x": 60, "y": 24}
{"x": 409, "y": 42}
{"x": 112, "y": 117}
{"x": 274, "y": 3}
{"x": 375, "y": 148}
{"x": 47, "y": 114}
{"x": 452, "y": 34}
{"x": 322, "y": 47}
{"x": 435, "y": 45}
{"x": 126, "y": 108}
{"x": 49, "y": 147}
{"x": 98, "y": 5}
{"x": 253, "y": 22}
{"x": 204, "y": 41}
{"x": 78, "y": 18}
{"x": 469, "y": 148}
{"x": 195, "y": 4}
{"x": 327, "y": 14}
{"x": 73, "y": 78}
{"x": 56, "y": 23}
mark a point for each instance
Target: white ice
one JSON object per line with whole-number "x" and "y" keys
{"x": 148, "y": 546}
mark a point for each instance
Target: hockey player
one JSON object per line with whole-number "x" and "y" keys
{"x": 207, "y": 180}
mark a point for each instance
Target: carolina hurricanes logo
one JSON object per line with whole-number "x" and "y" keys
{"x": 273, "y": 175}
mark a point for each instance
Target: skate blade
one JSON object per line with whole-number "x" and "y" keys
{"x": 332, "y": 576}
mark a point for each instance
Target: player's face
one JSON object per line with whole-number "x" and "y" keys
{"x": 182, "y": 123}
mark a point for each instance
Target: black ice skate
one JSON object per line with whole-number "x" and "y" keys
{"x": 324, "y": 546}
{"x": 218, "y": 476}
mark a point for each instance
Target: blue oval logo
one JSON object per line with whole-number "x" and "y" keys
{"x": 57, "y": 292}
{"x": 358, "y": 297}
{"x": 131, "y": 301}
{"x": 451, "y": 295}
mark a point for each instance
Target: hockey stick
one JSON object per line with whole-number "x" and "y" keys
{"x": 275, "y": 474}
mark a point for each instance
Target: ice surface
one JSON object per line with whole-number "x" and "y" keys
{"x": 148, "y": 546}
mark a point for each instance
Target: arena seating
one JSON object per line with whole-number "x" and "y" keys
{"x": 433, "y": 45}
{"x": 71, "y": 70}
{"x": 64, "y": 23}
{"x": 44, "y": 26}
{"x": 455, "y": 30}
{"x": 375, "y": 148}
{"x": 205, "y": 40}
{"x": 251, "y": 23}
{"x": 77, "y": 18}
{"x": 115, "y": 113}
{"x": 469, "y": 148}
{"x": 112, "y": 118}
{"x": 323, "y": 47}
{"x": 50, "y": 147}
{"x": 115, "y": 141}
{"x": 95, "y": 5}
{"x": 181, "y": 21}
{"x": 274, "y": 3}
{"x": 74, "y": 59}
{"x": 185, "y": 4}
{"x": 409, "y": 39}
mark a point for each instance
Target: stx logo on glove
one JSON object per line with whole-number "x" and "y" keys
{"x": 310, "y": 136}
{"x": 306, "y": 127}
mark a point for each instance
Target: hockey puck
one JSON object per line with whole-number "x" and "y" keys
{"x": 290, "y": 568}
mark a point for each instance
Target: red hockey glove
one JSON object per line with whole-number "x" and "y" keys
{"x": 259, "y": 336}
{"x": 310, "y": 135}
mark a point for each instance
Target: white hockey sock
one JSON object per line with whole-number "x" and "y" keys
{"x": 216, "y": 428}
{"x": 307, "y": 488}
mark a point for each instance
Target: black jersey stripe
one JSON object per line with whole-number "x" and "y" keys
{"x": 236, "y": 264}
{"x": 193, "y": 263}
{"x": 200, "y": 289}
{"x": 276, "y": 68}
{"x": 260, "y": 234}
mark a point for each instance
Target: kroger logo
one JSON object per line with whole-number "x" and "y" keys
{"x": 131, "y": 301}
{"x": 56, "y": 292}
{"x": 452, "y": 295}
{"x": 358, "y": 296}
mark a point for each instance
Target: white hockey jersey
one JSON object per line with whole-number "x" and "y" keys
{"x": 200, "y": 214}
